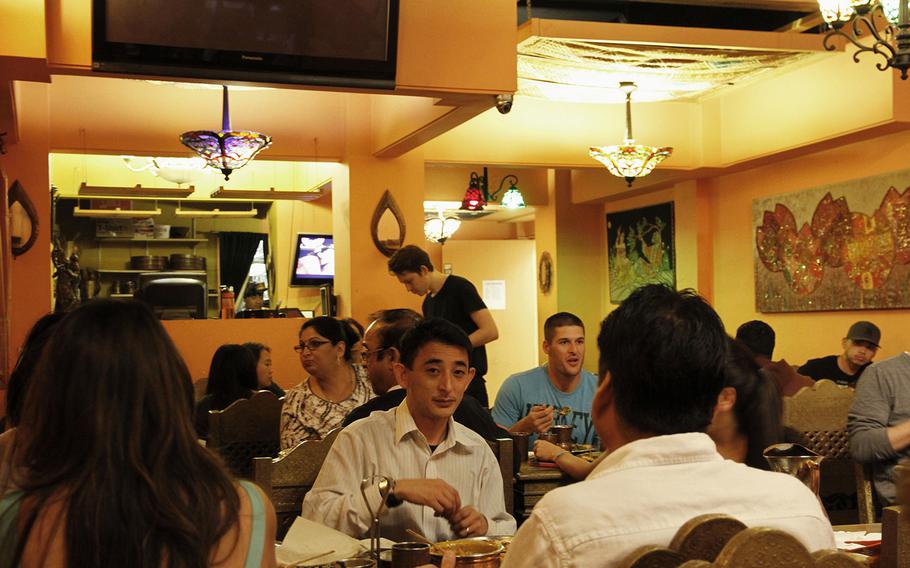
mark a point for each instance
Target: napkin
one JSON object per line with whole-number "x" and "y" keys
{"x": 845, "y": 539}
{"x": 308, "y": 538}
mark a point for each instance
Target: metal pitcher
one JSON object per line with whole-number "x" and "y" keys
{"x": 796, "y": 460}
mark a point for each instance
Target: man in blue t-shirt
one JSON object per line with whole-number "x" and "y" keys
{"x": 559, "y": 392}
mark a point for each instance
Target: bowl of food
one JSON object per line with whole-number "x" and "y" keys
{"x": 479, "y": 552}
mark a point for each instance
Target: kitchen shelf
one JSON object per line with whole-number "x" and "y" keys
{"x": 148, "y": 240}
{"x": 124, "y": 271}
{"x": 122, "y": 296}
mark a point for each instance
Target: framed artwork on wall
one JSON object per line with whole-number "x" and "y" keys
{"x": 640, "y": 249}
{"x": 843, "y": 246}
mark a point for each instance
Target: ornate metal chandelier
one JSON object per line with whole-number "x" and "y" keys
{"x": 629, "y": 160}
{"x": 228, "y": 149}
{"x": 854, "y": 19}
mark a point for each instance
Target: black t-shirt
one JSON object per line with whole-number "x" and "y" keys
{"x": 469, "y": 413}
{"x": 455, "y": 302}
{"x": 827, "y": 368}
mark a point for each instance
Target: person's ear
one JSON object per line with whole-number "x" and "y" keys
{"x": 393, "y": 355}
{"x": 843, "y": 343}
{"x": 424, "y": 271}
{"x": 545, "y": 345}
{"x": 339, "y": 349}
{"x": 726, "y": 402}
{"x": 603, "y": 397}
{"x": 401, "y": 375}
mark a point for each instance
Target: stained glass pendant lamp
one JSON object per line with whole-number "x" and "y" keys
{"x": 473, "y": 197}
{"x": 228, "y": 149}
{"x": 439, "y": 229}
{"x": 629, "y": 160}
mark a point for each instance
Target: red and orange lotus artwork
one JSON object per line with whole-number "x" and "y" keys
{"x": 837, "y": 258}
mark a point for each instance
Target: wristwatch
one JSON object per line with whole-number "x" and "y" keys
{"x": 390, "y": 499}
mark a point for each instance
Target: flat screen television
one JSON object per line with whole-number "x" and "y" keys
{"x": 348, "y": 43}
{"x": 314, "y": 260}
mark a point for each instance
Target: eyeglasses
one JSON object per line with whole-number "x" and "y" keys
{"x": 312, "y": 345}
{"x": 367, "y": 354}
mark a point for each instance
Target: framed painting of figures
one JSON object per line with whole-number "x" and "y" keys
{"x": 843, "y": 246}
{"x": 640, "y": 249}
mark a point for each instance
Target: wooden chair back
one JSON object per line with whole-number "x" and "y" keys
{"x": 502, "y": 449}
{"x": 816, "y": 417}
{"x": 703, "y": 537}
{"x": 246, "y": 429}
{"x": 719, "y": 541}
{"x": 286, "y": 479}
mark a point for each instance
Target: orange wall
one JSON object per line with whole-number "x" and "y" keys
{"x": 197, "y": 341}
{"x": 809, "y": 334}
{"x": 30, "y": 274}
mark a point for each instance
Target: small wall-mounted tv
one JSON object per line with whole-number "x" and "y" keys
{"x": 314, "y": 260}
{"x": 351, "y": 43}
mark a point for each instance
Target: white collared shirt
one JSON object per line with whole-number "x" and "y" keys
{"x": 389, "y": 443}
{"x": 644, "y": 491}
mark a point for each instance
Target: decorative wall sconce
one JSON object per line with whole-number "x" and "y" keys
{"x": 892, "y": 43}
{"x": 228, "y": 149}
{"x": 439, "y": 229}
{"x": 629, "y": 160}
{"x": 478, "y": 195}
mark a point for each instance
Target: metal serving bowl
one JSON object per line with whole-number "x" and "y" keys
{"x": 478, "y": 552}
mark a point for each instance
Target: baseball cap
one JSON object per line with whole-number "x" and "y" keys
{"x": 865, "y": 331}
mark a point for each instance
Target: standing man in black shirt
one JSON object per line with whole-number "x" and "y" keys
{"x": 452, "y": 298}
{"x": 860, "y": 347}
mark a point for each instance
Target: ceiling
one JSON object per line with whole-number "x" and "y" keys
{"x": 757, "y": 15}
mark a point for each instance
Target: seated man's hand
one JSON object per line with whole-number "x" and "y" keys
{"x": 545, "y": 451}
{"x": 540, "y": 419}
{"x": 433, "y": 493}
{"x": 469, "y": 522}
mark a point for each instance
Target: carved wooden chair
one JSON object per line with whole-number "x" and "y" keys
{"x": 719, "y": 541}
{"x": 246, "y": 429}
{"x": 816, "y": 417}
{"x": 700, "y": 538}
{"x": 760, "y": 547}
{"x": 502, "y": 449}
{"x": 286, "y": 479}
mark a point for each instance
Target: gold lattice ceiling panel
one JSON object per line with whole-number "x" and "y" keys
{"x": 590, "y": 71}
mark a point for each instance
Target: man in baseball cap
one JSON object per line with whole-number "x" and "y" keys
{"x": 860, "y": 346}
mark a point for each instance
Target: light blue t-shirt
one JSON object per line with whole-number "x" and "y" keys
{"x": 520, "y": 392}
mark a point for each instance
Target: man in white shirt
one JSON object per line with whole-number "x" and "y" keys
{"x": 661, "y": 369}
{"x": 446, "y": 481}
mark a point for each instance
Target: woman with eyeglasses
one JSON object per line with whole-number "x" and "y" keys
{"x": 334, "y": 385}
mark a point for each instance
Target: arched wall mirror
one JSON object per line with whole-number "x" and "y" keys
{"x": 23, "y": 219}
{"x": 387, "y": 226}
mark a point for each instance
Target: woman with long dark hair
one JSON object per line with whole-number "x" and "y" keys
{"x": 107, "y": 462}
{"x": 232, "y": 376}
{"x": 748, "y": 416}
{"x": 263, "y": 355}
{"x": 334, "y": 385}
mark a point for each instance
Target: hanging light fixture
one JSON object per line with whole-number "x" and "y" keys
{"x": 474, "y": 196}
{"x": 629, "y": 160}
{"x": 478, "y": 195}
{"x": 892, "y": 43}
{"x": 439, "y": 229}
{"x": 228, "y": 149}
